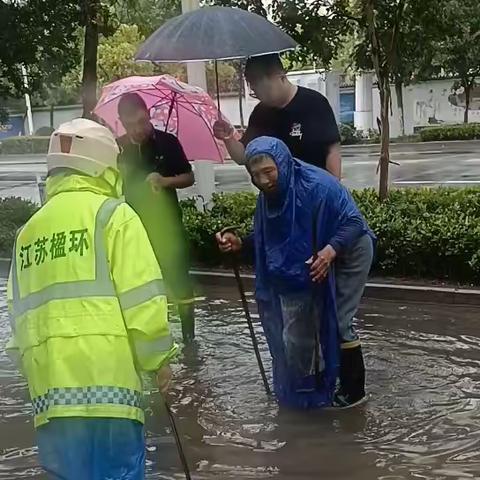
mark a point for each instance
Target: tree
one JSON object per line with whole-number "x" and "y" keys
{"x": 148, "y": 15}
{"x": 91, "y": 20}
{"x": 115, "y": 60}
{"x": 417, "y": 53}
{"x": 316, "y": 25}
{"x": 102, "y": 17}
{"x": 255, "y": 6}
{"x": 382, "y": 23}
{"x": 459, "y": 44}
{"x": 387, "y": 38}
{"x": 39, "y": 34}
{"x": 227, "y": 78}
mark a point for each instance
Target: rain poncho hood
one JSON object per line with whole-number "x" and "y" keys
{"x": 298, "y": 316}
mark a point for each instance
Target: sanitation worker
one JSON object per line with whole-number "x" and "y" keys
{"x": 313, "y": 251}
{"x": 88, "y": 313}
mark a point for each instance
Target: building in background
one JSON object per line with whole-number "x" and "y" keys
{"x": 13, "y": 126}
{"x": 357, "y": 103}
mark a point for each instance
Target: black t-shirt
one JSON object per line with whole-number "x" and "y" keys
{"x": 161, "y": 153}
{"x": 307, "y": 125}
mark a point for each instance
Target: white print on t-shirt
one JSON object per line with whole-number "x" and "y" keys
{"x": 296, "y": 130}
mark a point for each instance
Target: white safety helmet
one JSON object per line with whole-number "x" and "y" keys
{"x": 84, "y": 146}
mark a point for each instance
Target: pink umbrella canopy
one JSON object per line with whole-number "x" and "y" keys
{"x": 176, "y": 107}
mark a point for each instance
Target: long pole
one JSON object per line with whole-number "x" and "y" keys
{"x": 181, "y": 453}
{"x": 217, "y": 86}
{"x": 196, "y": 72}
{"x": 28, "y": 103}
{"x": 250, "y": 325}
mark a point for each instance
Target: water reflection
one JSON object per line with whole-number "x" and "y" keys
{"x": 422, "y": 421}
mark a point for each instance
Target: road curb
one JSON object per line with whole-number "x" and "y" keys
{"x": 375, "y": 290}
{"x": 433, "y": 142}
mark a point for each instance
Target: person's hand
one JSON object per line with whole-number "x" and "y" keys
{"x": 320, "y": 264}
{"x": 223, "y": 130}
{"x": 164, "y": 378}
{"x": 157, "y": 182}
{"x": 228, "y": 242}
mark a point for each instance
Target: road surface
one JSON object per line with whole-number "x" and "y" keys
{"x": 427, "y": 164}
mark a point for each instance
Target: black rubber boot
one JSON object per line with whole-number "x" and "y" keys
{"x": 187, "y": 316}
{"x": 352, "y": 378}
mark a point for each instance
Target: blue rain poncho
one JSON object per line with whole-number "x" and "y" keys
{"x": 310, "y": 210}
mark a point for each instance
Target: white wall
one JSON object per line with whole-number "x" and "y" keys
{"x": 309, "y": 79}
{"x": 41, "y": 117}
{"x": 230, "y": 108}
{"x": 426, "y": 104}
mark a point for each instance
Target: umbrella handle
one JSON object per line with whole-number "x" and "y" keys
{"x": 170, "y": 110}
{"x": 217, "y": 83}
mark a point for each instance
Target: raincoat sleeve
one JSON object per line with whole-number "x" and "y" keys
{"x": 351, "y": 224}
{"x": 12, "y": 348}
{"x": 140, "y": 288}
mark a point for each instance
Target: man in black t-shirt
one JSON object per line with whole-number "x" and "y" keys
{"x": 300, "y": 117}
{"x": 154, "y": 166}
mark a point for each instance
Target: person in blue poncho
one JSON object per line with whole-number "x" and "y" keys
{"x": 313, "y": 251}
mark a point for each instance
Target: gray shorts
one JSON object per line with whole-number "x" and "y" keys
{"x": 351, "y": 273}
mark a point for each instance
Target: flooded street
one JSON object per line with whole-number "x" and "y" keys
{"x": 422, "y": 421}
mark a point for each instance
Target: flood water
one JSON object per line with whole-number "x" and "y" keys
{"x": 422, "y": 421}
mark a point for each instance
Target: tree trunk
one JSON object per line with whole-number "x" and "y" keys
{"x": 401, "y": 107}
{"x": 385, "y": 95}
{"x": 383, "y": 79}
{"x": 468, "y": 94}
{"x": 89, "y": 80}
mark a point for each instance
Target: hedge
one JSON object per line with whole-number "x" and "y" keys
{"x": 351, "y": 136}
{"x": 466, "y": 131}
{"x": 24, "y": 145}
{"x": 421, "y": 233}
{"x": 14, "y": 212}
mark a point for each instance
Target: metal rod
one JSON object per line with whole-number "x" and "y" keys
{"x": 246, "y": 309}
{"x": 170, "y": 110}
{"x": 217, "y": 83}
{"x": 181, "y": 453}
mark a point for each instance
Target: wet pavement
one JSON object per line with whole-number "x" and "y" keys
{"x": 420, "y": 164}
{"x": 422, "y": 421}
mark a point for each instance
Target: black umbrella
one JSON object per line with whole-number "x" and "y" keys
{"x": 214, "y": 33}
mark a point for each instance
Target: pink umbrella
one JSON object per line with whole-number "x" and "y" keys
{"x": 176, "y": 107}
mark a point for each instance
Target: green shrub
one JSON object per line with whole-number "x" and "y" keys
{"x": 44, "y": 131}
{"x": 431, "y": 233}
{"x": 228, "y": 210}
{"x": 466, "y": 131}
{"x": 349, "y": 135}
{"x": 24, "y": 145}
{"x": 14, "y": 212}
